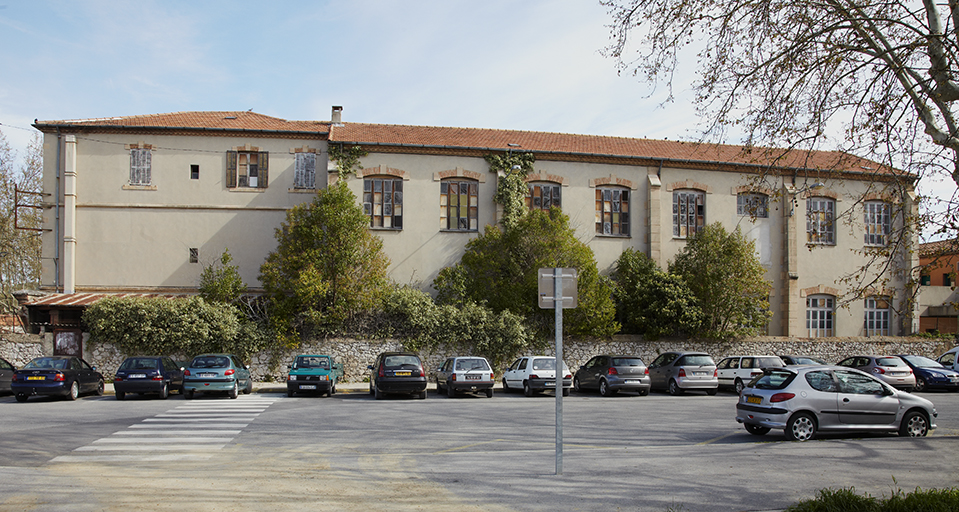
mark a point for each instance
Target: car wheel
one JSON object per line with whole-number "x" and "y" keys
{"x": 100, "y": 387}
{"x": 377, "y": 394}
{"x": 439, "y": 388}
{"x": 450, "y": 392}
{"x": 290, "y": 393}
{"x": 506, "y": 386}
{"x": 74, "y": 391}
{"x": 120, "y": 395}
{"x": 801, "y": 427}
{"x": 164, "y": 391}
{"x": 914, "y": 424}
{"x": 249, "y": 386}
{"x": 332, "y": 389}
{"x": 921, "y": 384}
{"x": 711, "y": 392}
{"x": 576, "y": 385}
{"x": 371, "y": 387}
{"x": 674, "y": 388}
{"x": 643, "y": 392}
{"x": 528, "y": 391}
{"x": 423, "y": 395}
{"x": 738, "y": 386}
{"x": 489, "y": 393}
{"x": 565, "y": 391}
{"x": 22, "y": 398}
{"x": 756, "y": 430}
{"x": 235, "y": 392}
{"x": 188, "y": 394}
{"x": 604, "y": 388}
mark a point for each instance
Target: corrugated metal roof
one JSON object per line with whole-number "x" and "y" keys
{"x": 85, "y": 299}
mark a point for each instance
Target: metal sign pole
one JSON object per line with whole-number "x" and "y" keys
{"x": 558, "y": 308}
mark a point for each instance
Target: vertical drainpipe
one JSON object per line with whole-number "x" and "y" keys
{"x": 56, "y": 223}
{"x": 70, "y": 214}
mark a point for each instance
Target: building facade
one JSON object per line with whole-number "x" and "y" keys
{"x": 938, "y": 298}
{"x": 141, "y": 204}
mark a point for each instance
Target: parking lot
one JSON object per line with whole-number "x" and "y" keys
{"x": 351, "y": 452}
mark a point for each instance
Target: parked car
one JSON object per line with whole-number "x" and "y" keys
{"x": 793, "y": 360}
{"x": 678, "y": 372}
{"x": 313, "y": 373}
{"x": 148, "y": 374}
{"x": 534, "y": 375}
{"x": 890, "y": 369}
{"x": 397, "y": 373}
{"x": 66, "y": 376}
{"x": 735, "y": 371}
{"x": 465, "y": 374}
{"x": 806, "y": 400}
{"x": 930, "y": 374}
{"x": 610, "y": 374}
{"x": 217, "y": 373}
{"x": 6, "y": 376}
{"x": 949, "y": 359}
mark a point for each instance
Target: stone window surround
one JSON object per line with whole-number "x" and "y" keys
{"x": 304, "y": 149}
{"x": 139, "y": 145}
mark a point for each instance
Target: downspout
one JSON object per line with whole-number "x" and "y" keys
{"x": 56, "y": 226}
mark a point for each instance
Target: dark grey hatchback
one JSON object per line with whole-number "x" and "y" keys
{"x": 148, "y": 374}
{"x": 397, "y": 373}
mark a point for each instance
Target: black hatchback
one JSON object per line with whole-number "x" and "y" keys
{"x": 148, "y": 374}
{"x": 397, "y": 373}
{"x": 66, "y": 376}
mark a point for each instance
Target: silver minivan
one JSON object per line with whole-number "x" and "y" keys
{"x": 678, "y": 372}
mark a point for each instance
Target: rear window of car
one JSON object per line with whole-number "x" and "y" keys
{"x": 472, "y": 364}
{"x": 47, "y": 362}
{"x": 769, "y": 362}
{"x": 772, "y": 380}
{"x": 139, "y": 363}
{"x": 312, "y": 362}
{"x": 401, "y": 361}
{"x": 922, "y": 362}
{"x": 696, "y": 360}
{"x": 210, "y": 362}
{"x": 627, "y": 361}
{"x": 544, "y": 364}
{"x": 889, "y": 361}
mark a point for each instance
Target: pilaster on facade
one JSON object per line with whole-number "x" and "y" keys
{"x": 792, "y": 304}
{"x": 69, "y": 261}
{"x": 654, "y": 228}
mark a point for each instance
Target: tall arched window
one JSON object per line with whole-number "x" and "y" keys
{"x": 689, "y": 213}
{"x": 543, "y": 196}
{"x": 459, "y": 205}
{"x": 612, "y": 211}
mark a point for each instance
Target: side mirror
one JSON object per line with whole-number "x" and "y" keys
{"x": 289, "y": 367}
{"x": 369, "y": 367}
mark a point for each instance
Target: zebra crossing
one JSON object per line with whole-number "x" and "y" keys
{"x": 194, "y": 430}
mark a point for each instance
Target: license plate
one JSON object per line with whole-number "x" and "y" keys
{"x": 632, "y": 382}
{"x": 137, "y": 376}
{"x": 473, "y": 377}
{"x": 402, "y": 374}
{"x": 36, "y": 378}
{"x": 206, "y": 375}
{"x": 699, "y": 374}
{"x": 754, "y": 399}
{"x": 551, "y": 384}
{"x": 307, "y": 386}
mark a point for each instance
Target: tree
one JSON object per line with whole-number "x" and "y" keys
{"x": 876, "y": 79}
{"x": 652, "y": 302}
{"x": 222, "y": 283}
{"x": 724, "y": 273}
{"x": 327, "y": 265}
{"x": 499, "y": 269}
{"x": 19, "y": 248}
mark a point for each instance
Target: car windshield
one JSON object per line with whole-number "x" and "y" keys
{"x": 312, "y": 362}
{"x": 210, "y": 362}
{"x": 139, "y": 363}
{"x": 544, "y": 364}
{"x": 696, "y": 360}
{"x": 472, "y": 364}
{"x": 627, "y": 361}
{"x": 41, "y": 363}
{"x": 889, "y": 361}
{"x": 401, "y": 362}
{"x": 922, "y": 362}
{"x": 772, "y": 380}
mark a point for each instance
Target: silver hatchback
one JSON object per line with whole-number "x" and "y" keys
{"x": 889, "y": 369}
{"x": 805, "y": 400}
{"x": 678, "y": 372}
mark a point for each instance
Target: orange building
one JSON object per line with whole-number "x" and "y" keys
{"x": 938, "y": 298}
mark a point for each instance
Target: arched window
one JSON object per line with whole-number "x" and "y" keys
{"x": 689, "y": 213}
{"x": 819, "y": 316}
{"x": 612, "y": 211}
{"x": 543, "y": 196}
{"x": 459, "y": 205}
{"x": 383, "y": 202}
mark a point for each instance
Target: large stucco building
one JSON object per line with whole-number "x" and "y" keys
{"x": 140, "y": 204}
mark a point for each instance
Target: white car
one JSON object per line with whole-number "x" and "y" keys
{"x": 470, "y": 374}
{"x": 535, "y": 374}
{"x": 950, "y": 359}
{"x": 736, "y": 371}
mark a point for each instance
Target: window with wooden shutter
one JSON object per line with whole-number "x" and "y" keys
{"x": 263, "y": 162}
{"x": 304, "y": 173}
{"x": 247, "y": 169}
{"x": 140, "y": 163}
{"x": 231, "y": 158}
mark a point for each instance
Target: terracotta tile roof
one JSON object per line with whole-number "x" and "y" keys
{"x": 243, "y": 120}
{"x": 939, "y": 248}
{"x": 596, "y": 146}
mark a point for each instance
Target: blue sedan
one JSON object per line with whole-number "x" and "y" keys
{"x": 66, "y": 376}
{"x": 930, "y": 374}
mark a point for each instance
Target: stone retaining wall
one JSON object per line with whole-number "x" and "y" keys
{"x": 357, "y": 354}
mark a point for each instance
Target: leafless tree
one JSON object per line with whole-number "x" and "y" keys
{"x": 19, "y": 248}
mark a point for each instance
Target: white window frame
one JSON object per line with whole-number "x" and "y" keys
{"x": 141, "y": 163}
{"x": 878, "y": 223}
{"x": 821, "y": 221}
{"x": 820, "y": 316}
{"x": 876, "y": 316}
{"x": 751, "y": 204}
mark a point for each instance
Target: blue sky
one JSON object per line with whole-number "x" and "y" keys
{"x": 510, "y": 64}
{"x": 529, "y": 65}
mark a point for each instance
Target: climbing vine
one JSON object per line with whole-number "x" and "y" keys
{"x": 347, "y": 158}
{"x": 511, "y": 185}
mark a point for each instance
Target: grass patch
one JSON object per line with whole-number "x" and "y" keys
{"x": 847, "y": 500}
